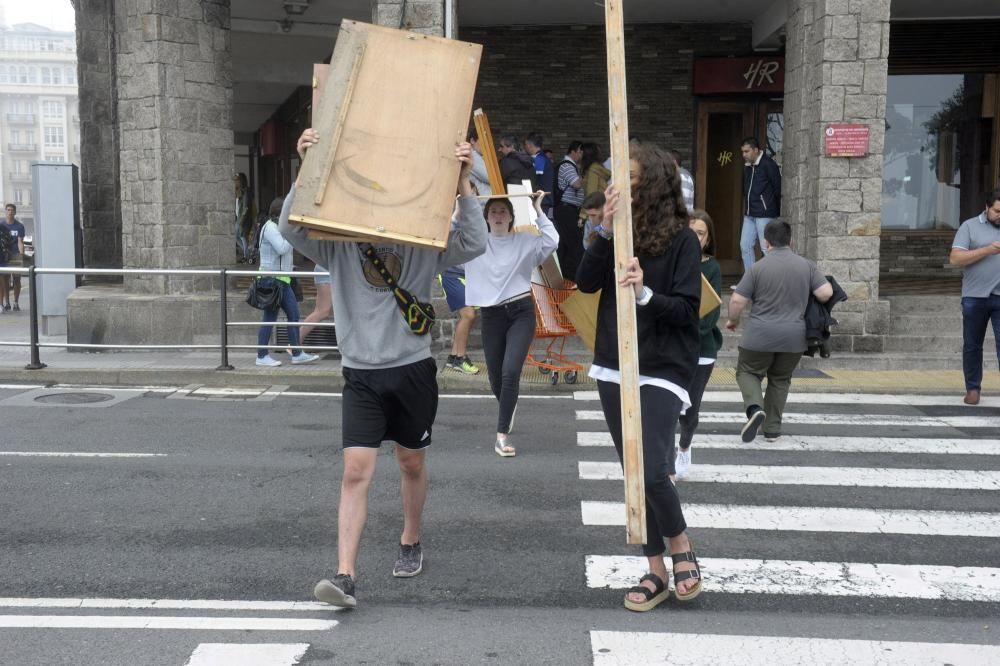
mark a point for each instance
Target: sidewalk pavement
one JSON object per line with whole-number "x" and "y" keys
{"x": 199, "y": 367}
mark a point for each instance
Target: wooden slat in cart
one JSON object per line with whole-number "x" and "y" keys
{"x": 552, "y": 328}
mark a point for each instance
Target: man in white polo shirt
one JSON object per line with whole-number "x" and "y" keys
{"x": 976, "y": 249}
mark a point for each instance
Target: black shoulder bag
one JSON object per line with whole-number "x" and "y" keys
{"x": 418, "y": 316}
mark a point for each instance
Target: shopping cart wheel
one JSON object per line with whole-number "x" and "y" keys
{"x": 570, "y": 377}
{"x": 543, "y": 370}
{"x": 554, "y": 378}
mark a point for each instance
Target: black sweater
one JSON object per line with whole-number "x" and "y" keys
{"x": 667, "y": 326}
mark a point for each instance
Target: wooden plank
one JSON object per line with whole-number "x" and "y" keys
{"x": 388, "y": 124}
{"x": 320, "y": 73}
{"x": 709, "y": 299}
{"x": 628, "y": 353}
{"x": 525, "y": 217}
{"x": 485, "y": 134}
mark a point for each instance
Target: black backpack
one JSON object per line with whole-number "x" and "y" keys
{"x": 7, "y": 240}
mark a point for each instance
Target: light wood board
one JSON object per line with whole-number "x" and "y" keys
{"x": 392, "y": 108}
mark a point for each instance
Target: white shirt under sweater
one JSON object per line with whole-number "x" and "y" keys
{"x": 504, "y": 270}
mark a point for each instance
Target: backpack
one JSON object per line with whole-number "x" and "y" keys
{"x": 6, "y": 241}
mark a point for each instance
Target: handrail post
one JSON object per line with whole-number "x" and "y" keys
{"x": 224, "y": 323}
{"x": 35, "y": 362}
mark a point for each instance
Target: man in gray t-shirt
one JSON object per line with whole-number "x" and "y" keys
{"x": 976, "y": 249}
{"x": 774, "y": 338}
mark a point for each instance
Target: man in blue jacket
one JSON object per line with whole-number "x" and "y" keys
{"x": 761, "y": 197}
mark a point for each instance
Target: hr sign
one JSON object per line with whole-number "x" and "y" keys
{"x": 716, "y": 76}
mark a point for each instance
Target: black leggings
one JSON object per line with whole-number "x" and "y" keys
{"x": 507, "y": 334}
{"x": 689, "y": 420}
{"x": 660, "y": 409}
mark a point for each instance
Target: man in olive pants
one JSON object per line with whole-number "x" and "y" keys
{"x": 779, "y": 286}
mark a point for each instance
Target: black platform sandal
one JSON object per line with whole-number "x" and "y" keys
{"x": 653, "y": 597}
{"x": 681, "y": 576}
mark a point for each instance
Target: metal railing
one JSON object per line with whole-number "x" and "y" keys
{"x": 223, "y": 346}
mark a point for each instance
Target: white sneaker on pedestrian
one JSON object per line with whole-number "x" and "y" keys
{"x": 303, "y": 358}
{"x": 682, "y": 464}
{"x": 268, "y": 361}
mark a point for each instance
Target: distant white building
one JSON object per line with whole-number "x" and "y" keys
{"x": 39, "y": 120}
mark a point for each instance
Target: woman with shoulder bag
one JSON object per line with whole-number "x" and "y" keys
{"x": 276, "y": 255}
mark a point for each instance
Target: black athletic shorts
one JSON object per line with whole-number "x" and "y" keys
{"x": 392, "y": 404}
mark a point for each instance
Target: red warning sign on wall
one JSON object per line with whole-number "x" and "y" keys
{"x": 846, "y": 140}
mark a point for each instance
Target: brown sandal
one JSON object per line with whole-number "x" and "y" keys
{"x": 653, "y": 597}
{"x": 681, "y": 576}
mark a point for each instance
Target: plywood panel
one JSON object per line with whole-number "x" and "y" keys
{"x": 391, "y": 110}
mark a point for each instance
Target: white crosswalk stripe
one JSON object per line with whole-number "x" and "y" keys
{"x": 917, "y": 461}
{"x": 264, "y": 654}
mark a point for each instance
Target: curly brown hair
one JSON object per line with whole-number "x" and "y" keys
{"x": 658, "y": 210}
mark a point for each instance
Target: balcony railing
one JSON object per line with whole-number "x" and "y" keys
{"x": 21, "y": 118}
{"x": 19, "y": 177}
{"x": 22, "y": 147}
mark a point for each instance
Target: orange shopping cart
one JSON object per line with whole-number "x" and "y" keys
{"x": 553, "y": 326}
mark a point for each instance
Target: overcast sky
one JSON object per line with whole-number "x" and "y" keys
{"x": 55, "y": 14}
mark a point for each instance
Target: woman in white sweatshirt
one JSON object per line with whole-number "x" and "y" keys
{"x": 499, "y": 283}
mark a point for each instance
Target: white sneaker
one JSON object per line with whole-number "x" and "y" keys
{"x": 682, "y": 464}
{"x": 304, "y": 358}
{"x": 268, "y": 361}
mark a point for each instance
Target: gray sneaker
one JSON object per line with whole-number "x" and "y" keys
{"x": 410, "y": 561}
{"x": 338, "y": 592}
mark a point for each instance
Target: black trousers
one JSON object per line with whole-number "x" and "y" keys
{"x": 660, "y": 409}
{"x": 507, "y": 334}
{"x": 570, "y": 250}
{"x": 689, "y": 420}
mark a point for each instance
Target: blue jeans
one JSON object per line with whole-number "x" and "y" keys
{"x": 291, "y": 308}
{"x": 976, "y": 314}
{"x": 753, "y": 231}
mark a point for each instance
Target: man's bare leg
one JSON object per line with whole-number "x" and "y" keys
{"x": 359, "y": 468}
{"x": 460, "y": 343}
{"x": 413, "y": 488}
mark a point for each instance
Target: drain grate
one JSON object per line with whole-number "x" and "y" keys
{"x": 81, "y": 398}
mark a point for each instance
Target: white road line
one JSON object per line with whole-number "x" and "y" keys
{"x": 79, "y": 454}
{"x": 166, "y": 604}
{"x": 817, "y": 476}
{"x": 837, "y": 419}
{"x": 808, "y": 443}
{"x": 814, "y": 519}
{"x": 162, "y": 622}
{"x": 266, "y": 654}
{"x": 801, "y": 398}
{"x": 624, "y": 648}
{"x": 835, "y": 579}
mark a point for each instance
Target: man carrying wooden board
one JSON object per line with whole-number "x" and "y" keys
{"x": 390, "y": 384}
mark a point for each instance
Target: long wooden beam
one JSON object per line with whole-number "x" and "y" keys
{"x": 628, "y": 354}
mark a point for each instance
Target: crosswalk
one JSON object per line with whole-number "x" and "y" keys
{"x": 881, "y": 471}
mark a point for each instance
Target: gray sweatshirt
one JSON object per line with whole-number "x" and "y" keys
{"x": 371, "y": 331}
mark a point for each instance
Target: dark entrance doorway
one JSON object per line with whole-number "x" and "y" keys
{"x": 722, "y": 126}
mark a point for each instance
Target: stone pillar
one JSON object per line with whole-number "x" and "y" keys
{"x": 175, "y": 122}
{"x": 425, "y": 16}
{"x": 836, "y": 72}
{"x": 100, "y": 209}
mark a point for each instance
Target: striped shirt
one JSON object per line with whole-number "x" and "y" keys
{"x": 687, "y": 188}
{"x": 568, "y": 173}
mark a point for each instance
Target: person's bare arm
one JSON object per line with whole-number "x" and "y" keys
{"x": 824, "y": 293}
{"x": 737, "y": 304}
{"x": 962, "y": 258}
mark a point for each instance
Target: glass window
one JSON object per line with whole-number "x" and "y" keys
{"x": 776, "y": 135}
{"x": 54, "y": 137}
{"x": 52, "y": 110}
{"x": 19, "y": 196}
{"x": 71, "y": 76}
{"x": 57, "y": 75}
{"x": 936, "y": 151}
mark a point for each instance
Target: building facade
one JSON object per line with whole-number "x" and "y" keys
{"x": 194, "y": 88}
{"x": 39, "y": 120}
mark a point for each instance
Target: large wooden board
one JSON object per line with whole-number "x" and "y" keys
{"x": 392, "y": 108}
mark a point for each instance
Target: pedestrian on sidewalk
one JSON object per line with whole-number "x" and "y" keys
{"x": 665, "y": 277}
{"x": 390, "y": 378}
{"x": 276, "y": 255}
{"x": 15, "y": 257}
{"x": 775, "y": 335}
{"x": 499, "y": 283}
{"x": 710, "y": 338}
{"x": 324, "y": 303}
{"x": 761, "y": 198}
{"x": 976, "y": 249}
{"x": 453, "y": 285}
{"x": 568, "y": 198}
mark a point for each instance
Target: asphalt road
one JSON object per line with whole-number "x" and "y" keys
{"x": 233, "y": 499}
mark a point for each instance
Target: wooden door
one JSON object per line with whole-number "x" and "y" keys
{"x": 722, "y": 126}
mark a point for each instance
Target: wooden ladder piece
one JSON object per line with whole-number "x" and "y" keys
{"x": 489, "y": 151}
